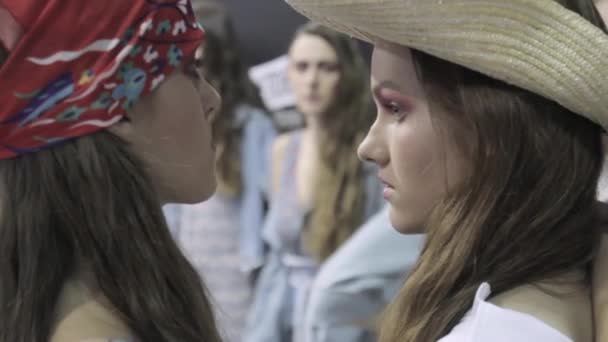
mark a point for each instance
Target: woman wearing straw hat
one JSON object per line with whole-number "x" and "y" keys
{"x": 86, "y": 252}
{"x": 488, "y": 138}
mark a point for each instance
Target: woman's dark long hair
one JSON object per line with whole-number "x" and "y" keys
{"x": 224, "y": 69}
{"x": 525, "y": 214}
{"x": 90, "y": 202}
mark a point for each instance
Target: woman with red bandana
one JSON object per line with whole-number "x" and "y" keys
{"x": 103, "y": 118}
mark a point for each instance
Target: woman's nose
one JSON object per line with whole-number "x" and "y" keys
{"x": 372, "y": 148}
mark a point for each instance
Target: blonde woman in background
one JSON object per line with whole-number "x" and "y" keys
{"x": 320, "y": 193}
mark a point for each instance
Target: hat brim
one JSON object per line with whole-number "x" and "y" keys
{"x": 537, "y": 45}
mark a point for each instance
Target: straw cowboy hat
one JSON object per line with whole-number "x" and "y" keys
{"x": 538, "y": 45}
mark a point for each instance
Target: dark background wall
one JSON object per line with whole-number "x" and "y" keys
{"x": 265, "y": 27}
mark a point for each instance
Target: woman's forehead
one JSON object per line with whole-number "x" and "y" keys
{"x": 393, "y": 64}
{"x": 312, "y": 47}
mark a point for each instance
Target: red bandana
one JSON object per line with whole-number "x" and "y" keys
{"x": 76, "y": 66}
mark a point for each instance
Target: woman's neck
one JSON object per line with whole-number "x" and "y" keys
{"x": 562, "y": 302}
{"x": 313, "y": 130}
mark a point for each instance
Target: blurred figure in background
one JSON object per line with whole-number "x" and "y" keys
{"x": 222, "y": 237}
{"x": 321, "y": 193}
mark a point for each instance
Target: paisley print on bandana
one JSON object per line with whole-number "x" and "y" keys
{"x": 78, "y": 67}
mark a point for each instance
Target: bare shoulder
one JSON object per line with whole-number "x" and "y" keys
{"x": 564, "y": 307}
{"x": 91, "y": 322}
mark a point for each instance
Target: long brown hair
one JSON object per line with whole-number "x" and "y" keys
{"x": 524, "y": 214}
{"x": 340, "y": 195}
{"x": 224, "y": 69}
{"x": 90, "y": 202}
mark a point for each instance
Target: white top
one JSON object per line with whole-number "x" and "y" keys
{"x": 486, "y": 322}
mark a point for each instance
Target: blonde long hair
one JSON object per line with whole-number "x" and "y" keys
{"x": 340, "y": 195}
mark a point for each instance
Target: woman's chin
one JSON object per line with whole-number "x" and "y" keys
{"x": 404, "y": 223}
{"x": 204, "y": 193}
{"x": 194, "y": 194}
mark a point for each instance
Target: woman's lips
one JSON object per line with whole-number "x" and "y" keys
{"x": 388, "y": 191}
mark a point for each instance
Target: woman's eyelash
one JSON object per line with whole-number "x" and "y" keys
{"x": 395, "y": 109}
